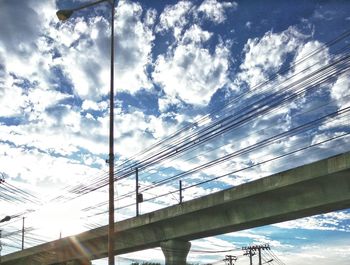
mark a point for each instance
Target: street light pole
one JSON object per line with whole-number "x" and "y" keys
{"x": 64, "y": 15}
{"x": 111, "y": 150}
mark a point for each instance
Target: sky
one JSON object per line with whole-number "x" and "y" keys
{"x": 233, "y": 90}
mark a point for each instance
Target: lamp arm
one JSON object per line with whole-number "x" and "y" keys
{"x": 89, "y": 4}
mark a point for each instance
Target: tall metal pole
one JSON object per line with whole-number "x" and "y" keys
{"x": 111, "y": 149}
{"x": 64, "y": 15}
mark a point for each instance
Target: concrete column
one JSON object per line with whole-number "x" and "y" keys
{"x": 175, "y": 251}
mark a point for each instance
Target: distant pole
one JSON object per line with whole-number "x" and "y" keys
{"x": 250, "y": 250}
{"x": 230, "y": 259}
{"x": 137, "y": 192}
{"x": 180, "y": 188}
{"x": 23, "y": 233}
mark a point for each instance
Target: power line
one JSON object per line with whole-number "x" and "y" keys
{"x": 168, "y": 140}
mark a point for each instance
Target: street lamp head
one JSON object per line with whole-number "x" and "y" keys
{"x": 64, "y": 14}
{"x": 5, "y": 219}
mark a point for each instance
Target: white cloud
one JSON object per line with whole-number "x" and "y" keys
{"x": 11, "y": 98}
{"x": 136, "y": 131}
{"x": 190, "y": 72}
{"x": 175, "y": 18}
{"x": 266, "y": 55}
{"x": 340, "y": 90}
{"x": 311, "y": 56}
{"x": 248, "y": 24}
{"x": 84, "y": 45}
{"x": 35, "y": 167}
{"x": 92, "y": 105}
{"x": 334, "y": 221}
{"x": 322, "y": 254}
{"x": 82, "y": 59}
{"x": 134, "y": 42}
{"x": 215, "y": 10}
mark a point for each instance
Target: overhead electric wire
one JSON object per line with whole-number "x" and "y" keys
{"x": 292, "y": 76}
{"x": 278, "y": 260}
{"x": 314, "y": 76}
{"x": 319, "y": 107}
{"x": 278, "y": 104}
{"x": 205, "y": 181}
{"x": 214, "y": 128}
{"x": 207, "y": 136}
{"x": 234, "y": 172}
{"x": 341, "y": 37}
{"x": 253, "y": 89}
{"x": 13, "y": 194}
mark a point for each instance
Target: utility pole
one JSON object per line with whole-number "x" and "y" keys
{"x": 229, "y": 259}
{"x": 23, "y": 233}
{"x": 250, "y": 250}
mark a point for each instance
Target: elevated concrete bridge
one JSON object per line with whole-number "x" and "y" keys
{"x": 311, "y": 189}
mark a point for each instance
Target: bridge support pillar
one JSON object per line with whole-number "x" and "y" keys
{"x": 175, "y": 251}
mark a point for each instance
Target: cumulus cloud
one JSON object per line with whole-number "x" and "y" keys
{"x": 136, "y": 131}
{"x": 310, "y": 56}
{"x": 175, "y": 18}
{"x": 266, "y": 55}
{"x": 39, "y": 168}
{"x": 11, "y": 98}
{"x": 84, "y": 47}
{"x": 215, "y": 10}
{"x": 82, "y": 59}
{"x": 340, "y": 90}
{"x": 191, "y": 72}
{"x": 334, "y": 221}
{"x": 19, "y": 35}
{"x": 134, "y": 42}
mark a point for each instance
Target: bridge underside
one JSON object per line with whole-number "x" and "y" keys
{"x": 316, "y": 188}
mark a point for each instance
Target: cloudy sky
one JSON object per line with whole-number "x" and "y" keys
{"x": 232, "y": 90}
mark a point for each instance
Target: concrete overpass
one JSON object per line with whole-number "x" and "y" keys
{"x": 311, "y": 189}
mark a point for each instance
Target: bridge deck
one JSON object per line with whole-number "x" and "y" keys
{"x": 315, "y": 188}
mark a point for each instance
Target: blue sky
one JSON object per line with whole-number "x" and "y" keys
{"x": 178, "y": 64}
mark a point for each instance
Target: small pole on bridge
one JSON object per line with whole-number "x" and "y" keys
{"x": 23, "y": 233}
{"x": 180, "y": 189}
{"x": 139, "y": 196}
